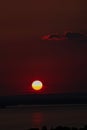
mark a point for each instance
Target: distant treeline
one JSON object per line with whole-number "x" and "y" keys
{"x": 60, "y": 128}
{"x": 43, "y": 99}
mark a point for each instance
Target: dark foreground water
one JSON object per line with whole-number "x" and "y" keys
{"x": 24, "y": 117}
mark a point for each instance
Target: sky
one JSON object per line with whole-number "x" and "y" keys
{"x": 25, "y": 56}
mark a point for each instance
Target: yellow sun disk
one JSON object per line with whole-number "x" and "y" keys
{"x": 37, "y": 85}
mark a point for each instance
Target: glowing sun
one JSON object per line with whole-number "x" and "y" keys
{"x": 37, "y": 85}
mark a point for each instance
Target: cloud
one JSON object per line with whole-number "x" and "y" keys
{"x": 71, "y": 35}
{"x": 53, "y": 37}
{"x": 65, "y": 36}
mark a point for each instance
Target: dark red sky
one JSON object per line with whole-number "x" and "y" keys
{"x": 61, "y": 65}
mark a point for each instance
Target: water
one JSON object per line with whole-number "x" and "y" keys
{"x": 24, "y": 117}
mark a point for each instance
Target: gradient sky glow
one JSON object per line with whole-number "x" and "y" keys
{"x": 24, "y": 56}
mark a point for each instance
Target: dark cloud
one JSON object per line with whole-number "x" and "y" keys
{"x": 71, "y": 35}
{"x": 66, "y": 36}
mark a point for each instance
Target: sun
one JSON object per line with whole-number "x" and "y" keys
{"x": 37, "y": 85}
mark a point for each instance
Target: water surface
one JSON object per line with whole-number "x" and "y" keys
{"x": 23, "y": 117}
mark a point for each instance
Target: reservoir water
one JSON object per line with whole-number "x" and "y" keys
{"x": 24, "y": 117}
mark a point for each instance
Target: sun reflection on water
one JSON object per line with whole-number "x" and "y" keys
{"x": 37, "y": 118}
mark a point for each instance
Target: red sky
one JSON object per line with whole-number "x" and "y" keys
{"x": 24, "y": 56}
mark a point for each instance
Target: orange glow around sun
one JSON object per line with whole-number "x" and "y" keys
{"x": 37, "y": 85}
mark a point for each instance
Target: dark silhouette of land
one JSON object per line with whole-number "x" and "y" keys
{"x": 43, "y": 99}
{"x": 61, "y": 128}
